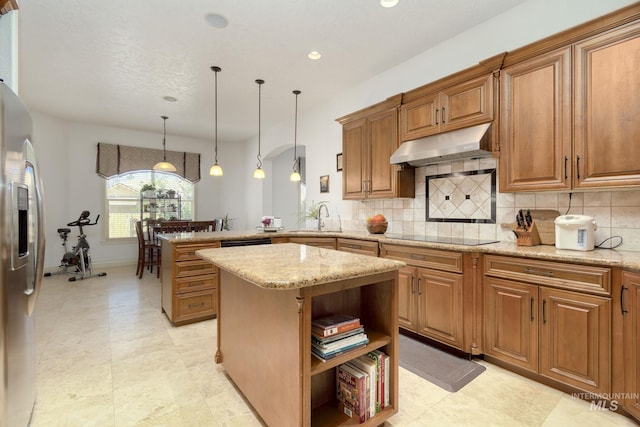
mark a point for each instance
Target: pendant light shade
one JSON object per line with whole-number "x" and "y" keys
{"x": 295, "y": 174}
{"x": 216, "y": 169}
{"x": 164, "y": 166}
{"x": 259, "y": 172}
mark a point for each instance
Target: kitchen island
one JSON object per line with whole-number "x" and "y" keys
{"x": 268, "y": 297}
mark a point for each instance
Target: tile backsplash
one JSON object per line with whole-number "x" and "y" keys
{"x": 616, "y": 212}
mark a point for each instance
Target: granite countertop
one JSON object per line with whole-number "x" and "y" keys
{"x": 291, "y": 266}
{"x": 629, "y": 260}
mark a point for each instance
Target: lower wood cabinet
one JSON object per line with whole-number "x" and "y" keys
{"x": 435, "y": 298}
{"x": 559, "y": 334}
{"x": 189, "y": 283}
{"x": 321, "y": 242}
{"x": 630, "y": 309}
{"x": 356, "y": 246}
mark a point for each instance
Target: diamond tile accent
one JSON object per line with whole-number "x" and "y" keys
{"x": 462, "y": 196}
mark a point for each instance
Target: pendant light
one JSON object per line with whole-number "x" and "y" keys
{"x": 295, "y": 175}
{"x": 259, "y": 172}
{"x": 164, "y": 166}
{"x": 216, "y": 169}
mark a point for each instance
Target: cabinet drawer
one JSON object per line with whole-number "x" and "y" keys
{"x": 195, "y": 283}
{"x": 423, "y": 257}
{"x": 321, "y": 242}
{"x": 195, "y": 305}
{"x": 364, "y": 247}
{"x": 549, "y": 273}
{"x": 187, "y": 252}
{"x": 193, "y": 268}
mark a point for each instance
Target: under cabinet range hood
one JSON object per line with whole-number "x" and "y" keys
{"x": 471, "y": 142}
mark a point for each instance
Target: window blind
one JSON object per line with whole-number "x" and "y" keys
{"x": 115, "y": 159}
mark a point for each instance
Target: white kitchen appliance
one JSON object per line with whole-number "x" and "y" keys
{"x": 575, "y": 232}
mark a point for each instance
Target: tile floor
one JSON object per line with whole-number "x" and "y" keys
{"x": 107, "y": 356}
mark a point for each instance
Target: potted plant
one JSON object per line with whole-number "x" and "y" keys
{"x": 148, "y": 191}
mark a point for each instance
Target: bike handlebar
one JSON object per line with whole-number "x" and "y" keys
{"x": 83, "y": 220}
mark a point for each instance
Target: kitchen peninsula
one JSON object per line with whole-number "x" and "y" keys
{"x": 268, "y": 297}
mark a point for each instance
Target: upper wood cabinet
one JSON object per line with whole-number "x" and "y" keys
{"x": 563, "y": 129}
{"x": 607, "y": 108}
{"x": 369, "y": 138}
{"x": 535, "y": 123}
{"x": 7, "y": 6}
{"x": 455, "y": 107}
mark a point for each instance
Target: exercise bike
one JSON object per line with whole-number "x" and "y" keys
{"x": 78, "y": 258}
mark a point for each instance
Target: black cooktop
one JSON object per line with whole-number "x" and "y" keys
{"x": 444, "y": 240}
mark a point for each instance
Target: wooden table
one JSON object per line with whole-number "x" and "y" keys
{"x": 268, "y": 296}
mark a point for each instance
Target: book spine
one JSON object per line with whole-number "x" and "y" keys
{"x": 334, "y": 353}
{"x": 351, "y": 393}
{"x": 333, "y": 330}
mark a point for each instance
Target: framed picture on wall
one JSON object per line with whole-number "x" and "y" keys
{"x": 324, "y": 184}
{"x": 339, "y": 162}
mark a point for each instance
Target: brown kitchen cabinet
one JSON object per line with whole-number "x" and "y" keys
{"x": 535, "y": 123}
{"x": 321, "y": 242}
{"x": 189, "y": 284}
{"x": 369, "y": 138}
{"x": 430, "y": 293}
{"x": 7, "y": 6}
{"x": 606, "y": 94}
{"x": 549, "y": 330}
{"x": 357, "y": 246}
{"x": 567, "y": 116}
{"x": 630, "y": 309}
{"x": 455, "y": 107}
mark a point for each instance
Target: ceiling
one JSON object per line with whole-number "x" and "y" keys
{"x": 112, "y": 62}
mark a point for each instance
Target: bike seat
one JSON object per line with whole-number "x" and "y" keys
{"x": 64, "y": 230}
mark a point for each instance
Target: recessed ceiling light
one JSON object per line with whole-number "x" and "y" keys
{"x": 216, "y": 20}
{"x": 388, "y": 3}
{"x": 169, "y": 98}
{"x": 314, "y": 54}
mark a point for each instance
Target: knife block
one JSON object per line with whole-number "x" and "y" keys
{"x": 527, "y": 236}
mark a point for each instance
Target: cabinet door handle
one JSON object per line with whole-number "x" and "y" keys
{"x": 538, "y": 272}
{"x": 442, "y": 115}
{"x": 418, "y": 257}
{"x": 531, "y": 309}
{"x": 622, "y": 289}
{"x": 566, "y": 159}
{"x": 412, "y": 290}
{"x": 419, "y": 290}
{"x": 578, "y": 166}
{"x": 437, "y": 110}
{"x": 544, "y": 311}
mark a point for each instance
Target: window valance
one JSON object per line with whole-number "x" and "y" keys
{"x": 115, "y": 159}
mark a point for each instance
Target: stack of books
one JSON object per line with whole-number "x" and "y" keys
{"x": 334, "y": 335}
{"x": 362, "y": 385}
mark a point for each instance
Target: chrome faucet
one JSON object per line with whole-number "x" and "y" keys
{"x": 326, "y": 209}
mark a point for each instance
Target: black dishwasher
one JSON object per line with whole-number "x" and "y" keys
{"x": 245, "y": 242}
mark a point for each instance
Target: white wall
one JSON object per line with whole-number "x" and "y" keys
{"x": 9, "y": 49}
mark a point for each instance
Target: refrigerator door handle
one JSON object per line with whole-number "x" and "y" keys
{"x": 33, "y": 285}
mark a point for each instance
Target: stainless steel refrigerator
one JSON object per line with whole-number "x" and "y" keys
{"x": 22, "y": 251}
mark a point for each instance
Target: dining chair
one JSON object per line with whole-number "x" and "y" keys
{"x": 203, "y": 225}
{"x": 173, "y": 226}
{"x": 149, "y": 252}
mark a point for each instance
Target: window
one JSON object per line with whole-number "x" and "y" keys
{"x": 124, "y": 206}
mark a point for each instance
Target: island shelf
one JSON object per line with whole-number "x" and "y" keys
{"x": 264, "y": 326}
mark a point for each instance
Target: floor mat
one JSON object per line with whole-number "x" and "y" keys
{"x": 438, "y": 367}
